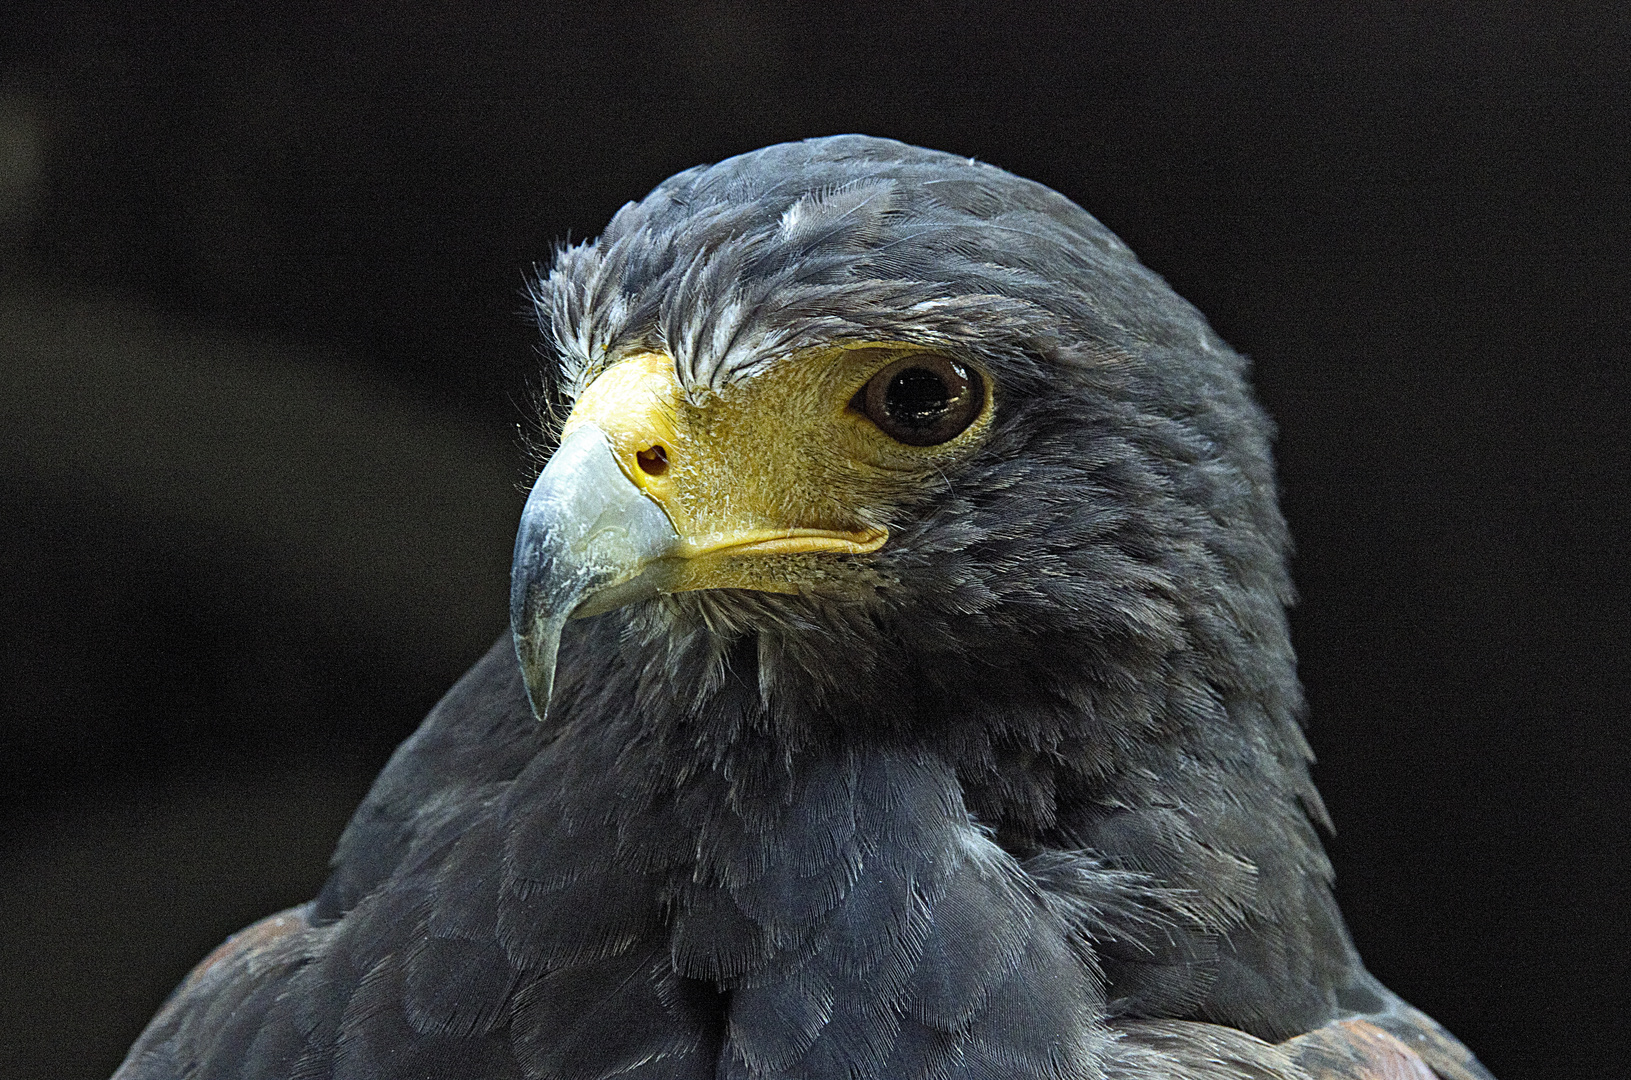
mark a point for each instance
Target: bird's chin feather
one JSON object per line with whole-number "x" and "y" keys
{"x": 800, "y": 652}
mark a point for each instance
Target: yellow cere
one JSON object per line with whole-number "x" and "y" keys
{"x": 765, "y": 478}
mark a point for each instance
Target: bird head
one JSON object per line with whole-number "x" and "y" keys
{"x": 905, "y": 419}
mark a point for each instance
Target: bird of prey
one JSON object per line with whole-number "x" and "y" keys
{"x": 899, "y": 687}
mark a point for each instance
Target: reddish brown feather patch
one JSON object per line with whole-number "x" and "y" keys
{"x": 1355, "y": 1050}
{"x": 1422, "y": 1034}
{"x": 268, "y": 931}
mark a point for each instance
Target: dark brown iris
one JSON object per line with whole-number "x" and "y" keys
{"x": 922, "y": 399}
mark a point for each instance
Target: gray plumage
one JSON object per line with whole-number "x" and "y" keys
{"x": 1019, "y": 789}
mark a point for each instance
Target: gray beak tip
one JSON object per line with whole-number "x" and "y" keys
{"x": 536, "y": 651}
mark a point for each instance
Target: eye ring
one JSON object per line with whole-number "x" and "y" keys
{"x": 923, "y": 399}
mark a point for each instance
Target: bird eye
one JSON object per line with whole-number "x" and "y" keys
{"x": 922, "y": 399}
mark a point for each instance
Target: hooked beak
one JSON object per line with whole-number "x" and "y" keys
{"x": 589, "y": 541}
{"x": 649, "y": 494}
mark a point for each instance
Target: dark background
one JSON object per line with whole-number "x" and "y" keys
{"x": 262, "y": 362}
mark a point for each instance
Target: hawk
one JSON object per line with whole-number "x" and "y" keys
{"x": 899, "y": 687}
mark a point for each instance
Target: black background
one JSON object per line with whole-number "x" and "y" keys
{"x": 262, "y": 360}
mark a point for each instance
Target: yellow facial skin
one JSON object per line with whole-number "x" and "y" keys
{"x": 767, "y": 480}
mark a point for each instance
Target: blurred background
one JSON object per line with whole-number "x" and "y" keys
{"x": 263, "y": 356}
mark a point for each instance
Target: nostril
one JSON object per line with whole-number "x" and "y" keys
{"x": 653, "y": 460}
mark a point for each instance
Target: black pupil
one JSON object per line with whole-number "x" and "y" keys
{"x": 917, "y": 398}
